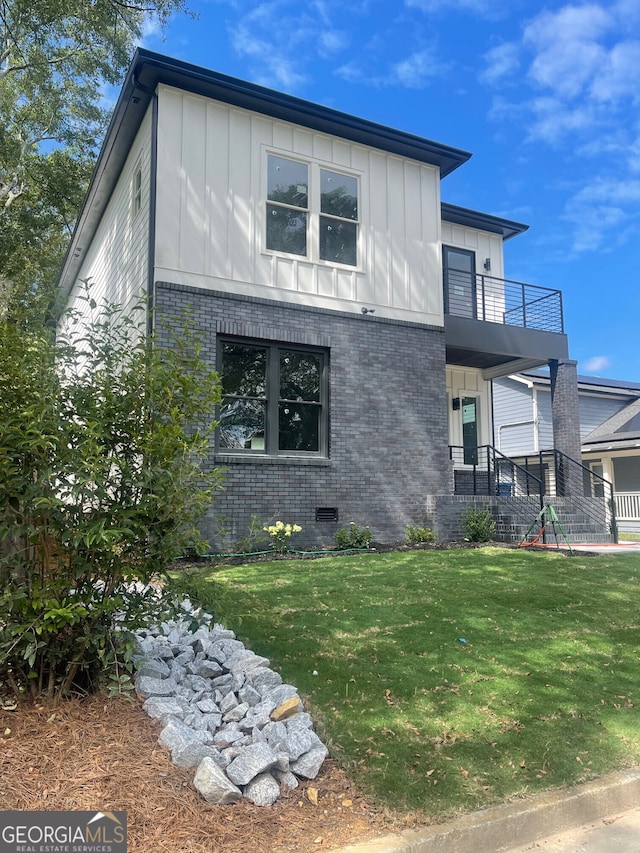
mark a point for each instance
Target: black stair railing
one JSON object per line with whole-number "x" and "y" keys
{"x": 546, "y": 475}
{"x": 490, "y": 472}
{"x": 589, "y": 491}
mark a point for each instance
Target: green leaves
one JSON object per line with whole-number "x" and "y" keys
{"x": 56, "y": 57}
{"x": 103, "y": 449}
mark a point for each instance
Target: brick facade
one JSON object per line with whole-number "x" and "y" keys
{"x": 565, "y": 411}
{"x": 388, "y": 445}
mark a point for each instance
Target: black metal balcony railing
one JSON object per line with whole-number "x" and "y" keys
{"x": 498, "y": 300}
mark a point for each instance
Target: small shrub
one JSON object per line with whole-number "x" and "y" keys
{"x": 280, "y": 535}
{"x": 255, "y": 538}
{"x": 478, "y": 525}
{"x": 418, "y": 535}
{"x": 352, "y": 537}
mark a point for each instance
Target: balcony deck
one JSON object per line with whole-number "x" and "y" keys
{"x": 498, "y": 300}
{"x": 500, "y": 325}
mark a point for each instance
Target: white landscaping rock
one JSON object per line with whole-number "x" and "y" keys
{"x": 263, "y": 790}
{"x": 212, "y": 784}
{"x": 252, "y": 761}
{"x": 214, "y": 698}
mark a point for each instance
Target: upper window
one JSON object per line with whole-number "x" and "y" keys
{"x": 321, "y": 224}
{"x": 274, "y": 399}
{"x": 137, "y": 190}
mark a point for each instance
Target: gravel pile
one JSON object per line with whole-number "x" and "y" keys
{"x": 224, "y": 711}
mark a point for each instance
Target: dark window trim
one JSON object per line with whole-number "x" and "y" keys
{"x": 449, "y": 280}
{"x": 271, "y": 450}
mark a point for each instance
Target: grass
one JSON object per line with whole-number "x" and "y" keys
{"x": 448, "y": 680}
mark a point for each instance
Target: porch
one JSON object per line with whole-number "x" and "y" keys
{"x": 628, "y": 511}
{"x": 520, "y": 487}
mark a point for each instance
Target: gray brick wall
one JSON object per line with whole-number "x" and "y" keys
{"x": 565, "y": 409}
{"x": 388, "y": 419}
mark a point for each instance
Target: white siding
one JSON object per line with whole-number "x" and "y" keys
{"x": 483, "y": 243}
{"x": 211, "y": 211}
{"x": 116, "y": 263}
{"x": 490, "y": 295}
{"x": 513, "y": 413}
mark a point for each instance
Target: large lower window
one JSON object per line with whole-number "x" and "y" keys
{"x": 321, "y": 224}
{"x": 274, "y": 399}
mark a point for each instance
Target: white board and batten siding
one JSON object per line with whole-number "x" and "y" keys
{"x": 116, "y": 263}
{"x": 490, "y": 294}
{"x": 211, "y": 210}
{"x": 483, "y": 244}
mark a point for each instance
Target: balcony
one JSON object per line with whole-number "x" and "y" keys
{"x": 499, "y": 325}
{"x": 498, "y": 300}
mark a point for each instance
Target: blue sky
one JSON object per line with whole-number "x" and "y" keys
{"x": 545, "y": 95}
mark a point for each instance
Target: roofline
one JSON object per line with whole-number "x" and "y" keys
{"x": 595, "y": 382}
{"x": 507, "y": 228}
{"x": 148, "y": 69}
{"x": 156, "y": 68}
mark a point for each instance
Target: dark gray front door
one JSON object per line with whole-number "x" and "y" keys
{"x": 459, "y": 273}
{"x": 470, "y": 430}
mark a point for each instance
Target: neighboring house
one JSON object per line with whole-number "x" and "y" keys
{"x": 356, "y": 319}
{"x": 609, "y": 413}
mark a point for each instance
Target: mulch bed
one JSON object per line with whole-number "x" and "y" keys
{"x": 101, "y": 754}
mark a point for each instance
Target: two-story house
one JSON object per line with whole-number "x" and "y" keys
{"x": 356, "y": 319}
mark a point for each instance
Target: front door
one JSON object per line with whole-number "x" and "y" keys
{"x": 459, "y": 272}
{"x": 470, "y": 430}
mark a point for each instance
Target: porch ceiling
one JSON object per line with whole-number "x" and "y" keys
{"x": 500, "y": 349}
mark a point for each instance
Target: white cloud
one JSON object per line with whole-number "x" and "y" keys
{"x": 280, "y": 37}
{"x": 566, "y": 67}
{"x": 416, "y": 71}
{"x": 567, "y": 49}
{"x": 151, "y": 27}
{"x": 633, "y": 155}
{"x": 596, "y": 364}
{"x": 570, "y": 23}
{"x": 581, "y": 66}
{"x": 601, "y": 213}
{"x": 581, "y": 95}
{"x": 333, "y": 41}
{"x": 619, "y": 76}
{"x": 482, "y": 7}
{"x": 552, "y": 119}
{"x": 502, "y": 61}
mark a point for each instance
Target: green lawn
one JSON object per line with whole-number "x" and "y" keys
{"x": 447, "y": 680}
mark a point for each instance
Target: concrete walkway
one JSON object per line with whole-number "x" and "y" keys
{"x": 619, "y": 548}
{"x": 602, "y": 816}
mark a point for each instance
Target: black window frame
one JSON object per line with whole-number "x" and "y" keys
{"x": 273, "y": 400}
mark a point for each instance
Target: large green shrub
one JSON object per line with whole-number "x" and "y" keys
{"x": 103, "y": 440}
